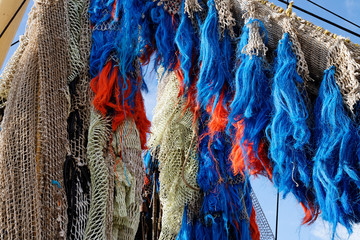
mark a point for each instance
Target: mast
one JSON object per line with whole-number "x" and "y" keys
{"x": 11, "y": 14}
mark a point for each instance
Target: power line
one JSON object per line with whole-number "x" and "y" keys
{"x": 277, "y": 215}
{"x": 12, "y": 18}
{"x": 335, "y": 14}
{"x": 323, "y": 19}
{"x": 16, "y": 42}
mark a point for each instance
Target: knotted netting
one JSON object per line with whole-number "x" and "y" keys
{"x": 245, "y": 88}
{"x": 34, "y": 141}
{"x": 129, "y": 179}
{"x": 76, "y": 172}
{"x": 174, "y": 144}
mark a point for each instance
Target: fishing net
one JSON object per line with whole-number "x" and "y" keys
{"x": 172, "y": 131}
{"x": 7, "y": 76}
{"x": 34, "y": 140}
{"x": 171, "y": 6}
{"x": 76, "y": 172}
{"x": 129, "y": 179}
{"x": 226, "y": 19}
{"x": 65, "y": 173}
{"x": 99, "y": 162}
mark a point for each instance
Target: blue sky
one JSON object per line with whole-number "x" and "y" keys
{"x": 290, "y": 213}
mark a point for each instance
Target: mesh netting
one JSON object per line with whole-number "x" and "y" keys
{"x": 255, "y": 45}
{"x": 192, "y": 6}
{"x": 263, "y": 225}
{"x": 172, "y": 6}
{"x": 301, "y": 64}
{"x": 34, "y": 141}
{"x": 347, "y": 72}
{"x": 99, "y": 133}
{"x": 9, "y": 72}
{"x": 77, "y": 19}
{"x": 77, "y": 174}
{"x": 129, "y": 179}
{"x": 172, "y": 131}
{"x": 226, "y": 19}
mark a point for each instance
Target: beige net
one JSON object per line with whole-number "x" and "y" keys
{"x": 172, "y": 131}
{"x": 256, "y": 45}
{"x": 171, "y": 6}
{"x": 98, "y": 160}
{"x": 7, "y": 76}
{"x": 192, "y": 6}
{"x": 226, "y": 19}
{"x": 129, "y": 179}
{"x": 117, "y": 177}
{"x": 34, "y": 141}
{"x": 347, "y": 71}
{"x": 77, "y": 19}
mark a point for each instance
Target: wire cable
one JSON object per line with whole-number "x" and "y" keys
{"x": 324, "y": 19}
{"x": 277, "y": 215}
{"x": 335, "y": 14}
{"x": 16, "y": 42}
{"x": 12, "y": 18}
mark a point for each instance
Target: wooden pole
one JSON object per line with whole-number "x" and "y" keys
{"x": 11, "y": 14}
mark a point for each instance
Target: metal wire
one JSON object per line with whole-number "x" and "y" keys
{"x": 335, "y": 14}
{"x": 323, "y": 19}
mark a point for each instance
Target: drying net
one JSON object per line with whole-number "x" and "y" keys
{"x": 226, "y": 19}
{"x": 9, "y": 72}
{"x": 172, "y": 6}
{"x": 99, "y": 161}
{"x": 129, "y": 179}
{"x": 76, "y": 172}
{"x": 172, "y": 132}
{"x": 33, "y": 139}
{"x": 117, "y": 177}
{"x": 192, "y": 6}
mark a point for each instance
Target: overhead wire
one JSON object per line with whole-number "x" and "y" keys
{"x": 277, "y": 215}
{"x": 333, "y": 13}
{"x": 16, "y": 42}
{"x": 282, "y": 1}
{"x": 323, "y": 19}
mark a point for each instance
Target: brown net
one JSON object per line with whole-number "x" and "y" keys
{"x": 34, "y": 140}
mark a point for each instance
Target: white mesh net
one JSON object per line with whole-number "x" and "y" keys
{"x": 172, "y": 132}
{"x": 129, "y": 179}
{"x": 99, "y": 133}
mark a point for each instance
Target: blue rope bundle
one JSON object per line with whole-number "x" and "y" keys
{"x": 222, "y": 211}
{"x": 165, "y": 37}
{"x": 252, "y": 91}
{"x": 215, "y": 59}
{"x": 187, "y": 42}
{"x": 336, "y": 161}
{"x": 288, "y": 132}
